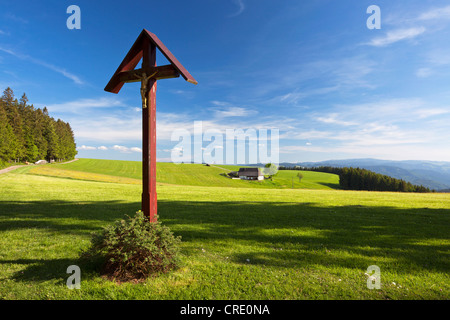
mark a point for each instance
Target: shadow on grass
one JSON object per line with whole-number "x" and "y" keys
{"x": 334, "y": 186}
{"x": 52, "y": 269}
{"x": 291, "y": 235}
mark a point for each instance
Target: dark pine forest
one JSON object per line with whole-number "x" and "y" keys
{"x": 28, "y": 134}
{"x": 362, "y": 179}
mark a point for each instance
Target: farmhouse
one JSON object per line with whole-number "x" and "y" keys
{"x": 250, "y": 174}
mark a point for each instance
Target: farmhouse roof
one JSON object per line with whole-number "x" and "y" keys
{"x": 250, "y": 172}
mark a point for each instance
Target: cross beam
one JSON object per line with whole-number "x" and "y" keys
{"x": 162, "y": 72}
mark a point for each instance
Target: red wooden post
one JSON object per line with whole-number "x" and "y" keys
{"x": 149, "y": 198}
{"x": 145, "y": 48}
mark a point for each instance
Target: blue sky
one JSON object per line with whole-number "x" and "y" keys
{"x": 312, "y": 69}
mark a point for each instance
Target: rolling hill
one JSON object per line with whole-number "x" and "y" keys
{"x": 181, "y": 174}
{"x": 431, "y": 174}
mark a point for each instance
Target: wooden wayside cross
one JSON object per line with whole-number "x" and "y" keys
{"x": 145, "y": 48}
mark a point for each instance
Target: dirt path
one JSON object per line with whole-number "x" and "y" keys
{"x": 11, "y": 168}
{"x": 24, "y": 165}
{"x": 212, "y": 165}
{"x": 69, "y": 161}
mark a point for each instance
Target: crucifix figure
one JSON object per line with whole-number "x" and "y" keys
{"x": 145, "y": 48}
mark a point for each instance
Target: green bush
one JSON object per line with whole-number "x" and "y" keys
{"x": 3, "y": 164}
{"x": 135, "y": 248}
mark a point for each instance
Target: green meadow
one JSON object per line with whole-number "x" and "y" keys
{"x": 280, "y": 239}
{"x": 188, "y": 174}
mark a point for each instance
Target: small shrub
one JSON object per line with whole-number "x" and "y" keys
{"x": 135, "y": 248}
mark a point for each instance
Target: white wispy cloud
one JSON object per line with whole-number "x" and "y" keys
{"x": 124, "y": 149}
{"x": 227, "y": 110}
{"x": 83, "y": 147}
{"x": 435, "y": 14}
{"x": 108, "y": 129}
{"x": 47, "y": 65}
{"x": 424, "y": 72}
{"x": 391, "y": 124}
{"x": 431, "y": 112}
{"x": 333, "y": 119}
{"x": 392, "y": 152}
{"x": 297, "y": 95}
{"x": 119, "y": 126}
{"x": 241, "y": 7}
{"x": 392, "y": 128}
{"x": 306, "y": 134}
{"x": 83, "y": 104}
{"x": 436, "y": 63}
{"x": 397, "y": 35}
{"x": 334, "y": 75}
{"x": 15, "y": 18}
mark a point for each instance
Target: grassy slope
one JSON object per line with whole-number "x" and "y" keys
{"x": 183, "y": 174}
{"x": 238, "y": 243}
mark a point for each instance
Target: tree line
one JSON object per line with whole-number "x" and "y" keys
{"x": 30, "y": 134}
{"x": 363, "y": 179}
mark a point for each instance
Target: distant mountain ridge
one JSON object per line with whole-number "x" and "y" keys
{"x": 431, "y": 174}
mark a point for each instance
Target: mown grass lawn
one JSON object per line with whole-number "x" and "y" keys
{"x": 238, "y": 243}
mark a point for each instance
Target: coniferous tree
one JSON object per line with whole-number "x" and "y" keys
{"x": 7, "y": 138}
{"x": 29, "y": 134}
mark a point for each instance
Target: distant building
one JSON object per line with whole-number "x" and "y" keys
{"x": 250, "y": 174}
